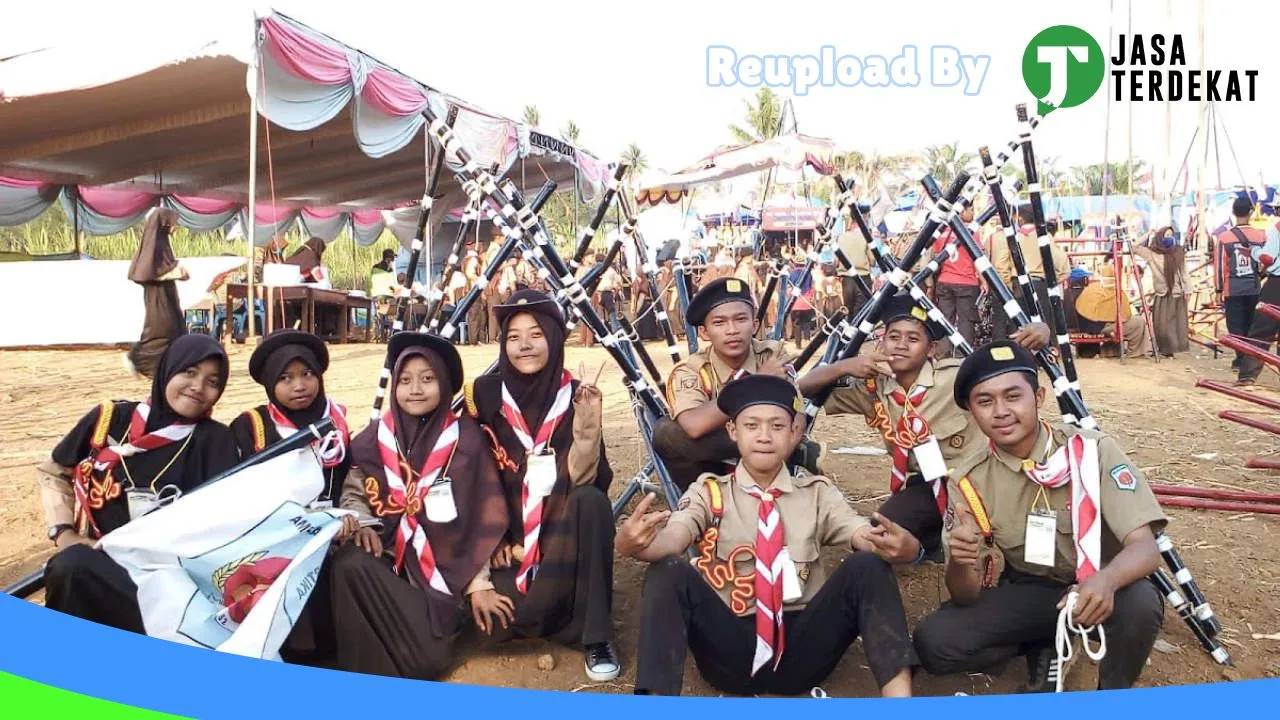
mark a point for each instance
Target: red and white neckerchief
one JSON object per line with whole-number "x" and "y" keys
{"x": 106, "y": 459}
{"x": 411, "y": 495}
{"x": 912, "y": 429}
{"x": 332, "y": 448}
{"x": 1075, "y": 463}
{"x": 531, "y": 508}
{"x": 770, "y": 637}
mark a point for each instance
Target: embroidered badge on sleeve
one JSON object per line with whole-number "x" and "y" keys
{"x": 1124, "y": 477}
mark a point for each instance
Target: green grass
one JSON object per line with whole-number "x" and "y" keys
{"x": 51, "y": 234}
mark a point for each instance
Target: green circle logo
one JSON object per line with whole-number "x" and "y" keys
{"x": 1063, "y": 67}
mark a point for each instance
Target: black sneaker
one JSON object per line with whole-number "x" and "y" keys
{"x": 1042, "y": 669}
{"x": 602, "y": 662}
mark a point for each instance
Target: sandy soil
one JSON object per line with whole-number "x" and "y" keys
{"x": 1153, "y": 408}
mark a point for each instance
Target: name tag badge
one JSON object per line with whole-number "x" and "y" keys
{"x": 439, "y": 502}
{"x": 791, "y": 590}
{"x": 929, "y": 458}
{"x": 1040, "y": 547}
{"x": 540, "y": 475}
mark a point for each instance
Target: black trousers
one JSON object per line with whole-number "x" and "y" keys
{"x": 916, "y": 510}
{"x": 687, "y": 458}
{"x": 959, "y": 304}
{"x": 680, "y": 611}
{"x": 852, "y": 294}
{"x": 383, "y": 623}
{"x": 570, "y": 599}
{"x": 88, "y": 584}
{"x": 1262, "y": 329}
{"x": 1002, "y": 326}
{"x": 803, "y": 324}
{"x": 1239, "y": 313}
{"x": 1022, "y": 611}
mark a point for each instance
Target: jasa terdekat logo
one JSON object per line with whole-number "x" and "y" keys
{"x": 1064, "y": 66}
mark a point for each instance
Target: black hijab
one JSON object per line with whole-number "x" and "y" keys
{"x": 154, "y": 258}
{"x": 274, "y": 366}
{"x": 534, "y": 393}
{"x": 184, "y": 352}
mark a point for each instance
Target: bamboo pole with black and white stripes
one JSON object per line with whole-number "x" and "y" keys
{"x": 650, "y": 269}
{"x": 1046, "y": 248}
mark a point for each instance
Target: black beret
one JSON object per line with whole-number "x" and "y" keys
{"x": 716, "y": 293}
{"x": 530, "y": 301}
{"x": 281, "y": 338}
{"x": 988, "y": 361}
{"x": 402, "y": 341}
{"x": 741, "y": 394}
{"x": 902, "y": 306}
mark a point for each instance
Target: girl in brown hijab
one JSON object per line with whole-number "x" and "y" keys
{"x": 427, "y": 477}
{"x": 308, "y": 258}
{"x": 1170, "y": 284}
{"x": 155, "y": 268}
{"x": 553, "y": 576}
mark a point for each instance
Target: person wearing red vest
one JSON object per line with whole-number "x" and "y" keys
{"x": 956, "y": 287}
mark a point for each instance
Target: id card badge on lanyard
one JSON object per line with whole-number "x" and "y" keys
{"x": 929, "y": 457}
{"x": 1040, "y": 542}
{"x": 540, "y": 474}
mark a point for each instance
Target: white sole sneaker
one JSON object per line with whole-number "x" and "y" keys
{"x": 600, "y": 675}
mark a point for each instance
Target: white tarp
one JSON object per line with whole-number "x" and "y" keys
{"x": 87, "y": 302}
{"x": 231, "y": 566}
{"x": 791, "y": 152}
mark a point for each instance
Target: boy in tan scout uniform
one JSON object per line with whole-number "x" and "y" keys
{"x": 924, "y": 430}
{"x": 757, "y": 608}
{"x": 1046, "y": 516}
{"x": 694, "y": 440}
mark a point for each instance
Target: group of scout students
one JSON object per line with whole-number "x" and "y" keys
{"x": 1026, "y": 516}
{"x": 507, "y": 509}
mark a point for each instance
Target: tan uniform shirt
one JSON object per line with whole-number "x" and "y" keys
{"x": 1127, "y": 502}
{"x": 698, "y": 380}
{"x": 1002, "y": 259}
{"x": 855, "y": 248}
{"x": 814, "y": 515}
{"x": 958, "y": 436}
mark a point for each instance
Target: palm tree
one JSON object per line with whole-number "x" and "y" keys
{"x": 943, "y": 161}
{"x": 762, "y": 119}
{"x": 571, "y": 133}
{"x": 532, "y": 116}
{"x": 1093, "y": 179}
{"x": 636, "y": 161}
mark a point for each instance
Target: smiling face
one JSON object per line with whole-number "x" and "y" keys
{"x": 765, "y": 435}
{"x": 417, "y": 388}
{"x": 907, "y": 343}
{"x": 297, "y": 386}
{"x": 1007, "y": 410}
{"x": 526, "y": 344}
{"x": 729, "y": 328}
{"x": 193, "y": 392}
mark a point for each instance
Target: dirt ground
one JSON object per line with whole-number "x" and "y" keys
{"x": 1153, "y": 408}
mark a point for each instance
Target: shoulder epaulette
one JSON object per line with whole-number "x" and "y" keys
{"x": 259, "y": 429}
{"x": 100, "y": 429}
{"x": 469, "y": 395}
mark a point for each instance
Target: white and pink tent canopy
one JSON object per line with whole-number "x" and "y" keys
{"x": 789, "y": 152}
{"x": 133, "y": 125}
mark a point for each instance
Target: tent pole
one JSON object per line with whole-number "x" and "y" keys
{"x": 250, "y": 226}
{"x": 75, "y": 218}
{"x": 1204, "y": 135}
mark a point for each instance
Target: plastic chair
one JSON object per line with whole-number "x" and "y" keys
{"x": 197, "y": 321}
{"x": 240, "y": 319}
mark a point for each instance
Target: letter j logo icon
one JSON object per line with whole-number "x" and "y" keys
{"x": 1063, "y": 67}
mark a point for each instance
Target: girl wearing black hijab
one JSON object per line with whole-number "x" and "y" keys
{"x": 553, "y": 576}
{"x": 425, "y": 475}
{"x": 119, "y": 460}
{"x": 308, "y": 258}
{"x": 290, "y": 365}
{"x": 155, "y": 268}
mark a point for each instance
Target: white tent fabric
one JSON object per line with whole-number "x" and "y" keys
{"x": 786, "y": 151}
{"x": 87, "y": 302}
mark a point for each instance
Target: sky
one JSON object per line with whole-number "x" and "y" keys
{"x": 637, "y": 72}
